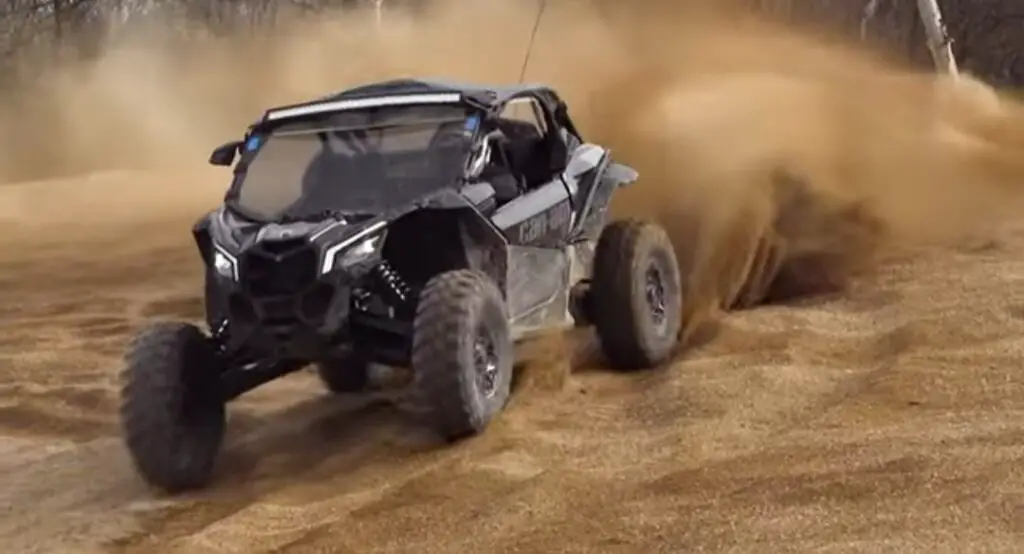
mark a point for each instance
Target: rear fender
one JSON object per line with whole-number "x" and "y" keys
{"x": 619, "y": 175}
{"x": 597, "y": 177}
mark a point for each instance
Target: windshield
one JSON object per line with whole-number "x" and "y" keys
{"x": 360, "y": 161}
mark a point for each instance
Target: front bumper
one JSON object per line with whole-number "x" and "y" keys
{"x": 281, "y": 307}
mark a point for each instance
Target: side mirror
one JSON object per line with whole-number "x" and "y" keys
{"x": 224, "y": 155}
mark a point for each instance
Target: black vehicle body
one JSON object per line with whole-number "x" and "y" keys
{"x": 415, "y": 224}
{"x": 281, "y": 291}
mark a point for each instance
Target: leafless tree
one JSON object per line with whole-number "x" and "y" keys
{"x": 987, "y": 36}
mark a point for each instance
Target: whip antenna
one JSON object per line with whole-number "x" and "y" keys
{"x": 542, "y": 5}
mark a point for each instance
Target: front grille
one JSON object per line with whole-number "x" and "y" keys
{"x": 282, "y": 246}
{"x": 278, "y": 311}
{"x": 314, "y": 304}
{"x": 279, "y": 268}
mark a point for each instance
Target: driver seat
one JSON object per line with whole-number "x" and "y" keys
{"x": 506, "y": 186}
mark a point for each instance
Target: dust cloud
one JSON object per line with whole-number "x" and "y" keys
{"x": 781, "y": 163}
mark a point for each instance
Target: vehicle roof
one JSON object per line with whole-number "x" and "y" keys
{"x": 498, "y": 93}
{"x": 486, "y": 96}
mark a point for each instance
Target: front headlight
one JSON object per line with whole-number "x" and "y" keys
{"x": 358, "y": 253}
{"x": 224, "y": 264}
{"x": 350, "y": 254}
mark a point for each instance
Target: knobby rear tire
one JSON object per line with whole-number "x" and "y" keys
{"x": 631, "y": 335}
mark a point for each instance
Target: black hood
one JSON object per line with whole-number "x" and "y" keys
{"x": 237, "y": 233}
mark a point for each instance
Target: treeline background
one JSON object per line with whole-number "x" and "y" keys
{"x": 988, "y": 35}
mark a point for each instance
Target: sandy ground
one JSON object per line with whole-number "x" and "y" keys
{"x": 879, "y": 419}
{"x": 885, "y": 420}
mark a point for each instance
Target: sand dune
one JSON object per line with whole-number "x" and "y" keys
{"x": 878, "y": 414}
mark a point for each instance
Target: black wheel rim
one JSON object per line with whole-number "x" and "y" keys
{"x": 654, "y": 294}
{"x": 485, "y": 361}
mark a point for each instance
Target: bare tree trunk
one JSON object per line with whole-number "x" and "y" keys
{"x": 58, "y": 15}
{"x": 870, "y": 9}
{"x": 939, "y": 43}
